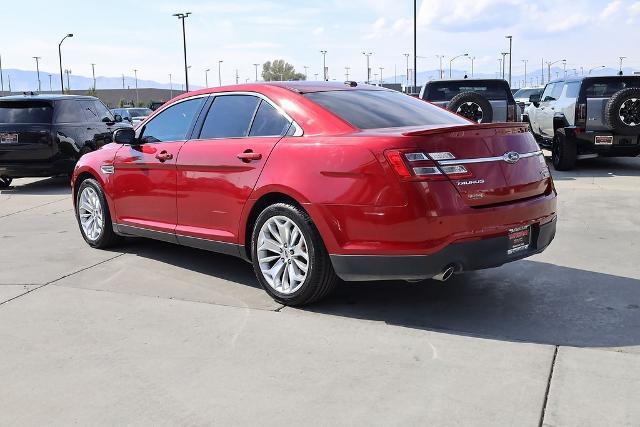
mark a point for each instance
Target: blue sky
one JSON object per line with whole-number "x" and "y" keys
{"x": 143, "y": 34}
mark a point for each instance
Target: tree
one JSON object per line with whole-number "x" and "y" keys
{"x": 280, "y": 70}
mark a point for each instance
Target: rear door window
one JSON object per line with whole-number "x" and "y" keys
{"x": 445, "y": 91}
{"x": 572, "y": 89}
{"x": 25, "y": 112}
{"x": 371, "y": 109}
{"x": 103, "y": 113}
{"x": 89, "y": 111}
{"x": 229, "y": 116}
{"x": 69, "y": 111}
{"x": 268, "y": 121}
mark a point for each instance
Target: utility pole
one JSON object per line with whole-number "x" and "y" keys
{"x": 38, "y": 58}
{"x": 9, "y": 80}
{"x": 1, "y": 77}
{"x": 60, "y": 58}
{"x": 381, "y": 68}
{"x": 170, "y": 86}
{"x": 406, "y": 55}
{"x": 68, "y": 73}
{"x": 237, "y": 76}
{"x": 50, "y": 85}
{"x": 324, "y": 64}
{"x": 346, "y": 74}
{"x": 182, "y": 17}
{"x": 473, "y": 58}
{"x": 525, "y": 70}
{"x": 368, "y": 68}
{"x": 622, "y": 58}
{"x": 256, "y": 65}
{"x": 93, "y": 71}
{"x": 220, "y": 72}
{"x": 504, "y": 61}
{"x": 135, "y": 72}
{"x": 564, "y": 66}
{"x": 206, "y": 77}
{"x": 510, "y": 52}
{"x": 441, "y": 70}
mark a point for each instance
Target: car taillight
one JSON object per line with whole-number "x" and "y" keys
{"x": 419, "y": 166}
{"x": 581, "y": 115}
{"x": 511, "y": 113}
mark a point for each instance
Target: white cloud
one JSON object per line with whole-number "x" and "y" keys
{"x": 611, "y": 9}
{"x": 318, "y": 31}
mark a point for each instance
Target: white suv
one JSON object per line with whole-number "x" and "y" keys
{"x": 587, "y": 117}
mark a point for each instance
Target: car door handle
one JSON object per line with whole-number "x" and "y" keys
{"x": 249, "y": 156}
{"x": 163, "y": 156}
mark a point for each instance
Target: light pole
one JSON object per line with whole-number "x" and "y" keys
{"x": 415, "y": 43}
{"x": 504, "y": 62}
{"x": 381, "y": 68}
{"x": 596, "y": 68}
{"x": 406, "y": 55}
{"x": 368, "y": 54}
{"x": 472, "y": 58}
{"x": 60, "y": 58}
{"x": 451, "y": 62}
{"x": 182, "y": 17}
{"x": 93, "y": 72}
{"x": 170, "y": 86}
{"x": 256, "y": 65}
{"x": 50, "y": 85}
{"x": 123, "y": 81}
{"x": 306, "y": 70}
{"x": 1, "y": 78}
{"x": 324, "y": 64}
{"x": 206, "y": 77}
{"x": 68, "y": 73}
{"x": 510, "y": 51}
{"x": 135, "y": 72}
{"x": 500, "y": 66}
{"x": 525, "y": 70}
{"x": 564, "y": 67}
{"x": 237, "y": 77}
{"x": 549, "y": 64}
{"x": 38, "y": 58}
{"x": 441, "y": 57}
{"x": 220, "y": 72}
{"x": 622, "y": 58}
{"x": 346, "y": 74}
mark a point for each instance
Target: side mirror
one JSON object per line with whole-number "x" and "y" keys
{"x": 117, "y": 118}
{"x": 124, "y": 136}
{"x": 535, "y": 99}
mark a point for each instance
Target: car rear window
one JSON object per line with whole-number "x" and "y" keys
{"x": 25, "y": 112}
{"x": 373, "y": 109}
{"x": 606, "y": 88}
{"x": 445, "y": 91}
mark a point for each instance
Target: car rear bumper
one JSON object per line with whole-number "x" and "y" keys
{"x": 621, "y": 145}
{"x": 465, "y": 256}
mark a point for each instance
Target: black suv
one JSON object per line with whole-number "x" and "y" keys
{"x": 586, "y": 117}
{"x": 479, "y": 100}
{"x": 44, "y": 135}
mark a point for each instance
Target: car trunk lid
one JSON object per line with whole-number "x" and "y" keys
{"x": 502, "y": 162}
{"x": 25, "y": 131}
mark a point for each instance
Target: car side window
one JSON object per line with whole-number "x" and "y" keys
{"x": 69, "y": 111}
{"x": 89, "y": 110}
{"x": 174, "y": 122}
{"x": 547, "y": 94}
{"x": 556, "y": 93}
{"x": 103, "y": 113}
{"x": 572, "y": 89}
{"x": 268, "y": 121}
{"x": 229, "y": 116}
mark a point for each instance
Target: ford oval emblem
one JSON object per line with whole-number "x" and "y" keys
{"x": 511, "y": 157}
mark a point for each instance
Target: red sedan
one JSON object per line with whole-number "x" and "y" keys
{"x": 312, "y": 182}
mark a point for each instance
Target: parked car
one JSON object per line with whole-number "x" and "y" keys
{"x": 586, "y": 117}
{"x": 522, "y": 96}
{"x": 133, "y": 115}
{"x": 315, "y": 181}
{"x": 44, "y": 135}
{"x": 479, "y": 100}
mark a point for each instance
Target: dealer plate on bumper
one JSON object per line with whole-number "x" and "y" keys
{"x": 519, "y": 239}
{"x": 8, "y": 138}
{"x": 604, "y": 140}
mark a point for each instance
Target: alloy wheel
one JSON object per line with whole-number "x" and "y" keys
{"x": 283, "y": 255}
{"x": 630, "y": 112}
{"x": 91, "y": 214}
{"x": 471, "y": 111}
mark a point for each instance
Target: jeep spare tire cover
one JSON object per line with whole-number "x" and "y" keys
{"x": 472, "y": 106}
{"x": 622, "y": 112}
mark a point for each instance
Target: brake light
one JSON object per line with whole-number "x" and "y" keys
{"x": 419, "y": 166}
{"x": 511, "y": 113}
{"x": 581, "y": 115}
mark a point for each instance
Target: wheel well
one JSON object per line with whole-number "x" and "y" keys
{"x": 264, "y": 201}
{"x": 559, "y": 122}
{"x": 79, "y": 179}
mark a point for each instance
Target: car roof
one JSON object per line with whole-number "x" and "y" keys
{"x": 45, "y": 97}
{"x": 600, "y": 78}
{"x": 471, "y": 79}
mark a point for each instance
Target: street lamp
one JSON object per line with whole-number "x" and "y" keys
{"x": 381, "y": 68}
{"x": 549, "y": 64}
{"x": 220, "y": 72}
{"x": 50, "y": 85}
{"x": 504, "y": 62}
{"x": 525, "y": 70}
{"x": 346, "y": 74}
{"x": 472, "y": 58}
{"x": 135, "y": 72}
{"x": 1, "y": 78}
{"x": 406, "y": 55}
{"x": 182, "y": 17}
{"x": 622, "y": 58}
{"x": 451, "y": 62}
{"x": 596, "y": 68}
{"x": 324, "y": 64}
{"x": 206, "y": 77}
{"x": 60, "y": 58}
{"x": 564, "y": 67}
{"x": 510, "y": 50}
{"x": 256, "y": 65}
{"x": 93, "y": 72}
{"x": 368, "y": 54}
{"x": 38, "y": 58}
{"x": 441, "y": 57}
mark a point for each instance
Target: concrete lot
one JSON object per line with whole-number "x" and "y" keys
{"x": 152, "y": 333}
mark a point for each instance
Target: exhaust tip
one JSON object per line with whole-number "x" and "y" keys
{"x": 445, "y": 274}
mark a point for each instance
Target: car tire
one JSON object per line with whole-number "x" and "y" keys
{"x": 564, "y": 152}
{"x": 282, "y": 237}
{"x": 91, "y": 203}
{"x": 472, "y": 106}
{"x": 5, "y": 181}
{"x": 622, "y": 112}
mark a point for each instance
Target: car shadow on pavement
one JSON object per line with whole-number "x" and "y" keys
{"x": 602, "y": 167}
{"x": 54, "y": 186}
{"x": 526, "y": 301}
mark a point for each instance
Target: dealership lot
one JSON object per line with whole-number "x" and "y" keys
{"x": 155, "y": 333}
